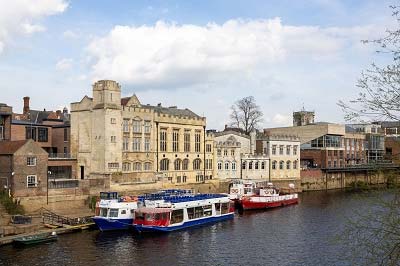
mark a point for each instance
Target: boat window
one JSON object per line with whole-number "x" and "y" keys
{"x": 149, "y": 217}
{"x": 165, "y": 215}
{"x": 132, "y": 211}
{"x": 177, "y": 216}
{"x": 198, "y": 212}
{"x": 113, "y": 213}
{"x": 103, "y": 212}
{"x": 207, "y": 210}
{"x": 157, "y": 216}
{"x": 139, "y": 216}
{"x": 190, "y": 212}
{"x": 123, "y": 212}
{"x": 224, "y": 208}
{"x": 218, "y": 208}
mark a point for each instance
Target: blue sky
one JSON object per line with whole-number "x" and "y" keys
{"x": 202, "y": 55}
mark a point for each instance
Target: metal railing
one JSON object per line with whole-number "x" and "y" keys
{"x": 61, "y": 156}
{"x": 59, "y": 184}
{"x": 52, "y": 218}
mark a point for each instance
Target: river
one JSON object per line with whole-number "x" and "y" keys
{"x": 302, "y": 234}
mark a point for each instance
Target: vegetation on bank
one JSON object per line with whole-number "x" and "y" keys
{"x": 10, "y": 205}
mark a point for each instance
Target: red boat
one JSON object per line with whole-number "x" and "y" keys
{"x": 260, "y": 195}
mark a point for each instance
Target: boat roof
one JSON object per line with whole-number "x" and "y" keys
{"x": 153, "y": 210}
{"x": 181, "y": 198}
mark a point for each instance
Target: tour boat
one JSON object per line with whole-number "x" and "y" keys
{"x": 167, "y": 214}
{"x": 117, "y": 213}
{"x": 260, "y": 195}
{"x": 113, "y": 212}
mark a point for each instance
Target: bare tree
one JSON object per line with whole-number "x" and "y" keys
{"x": 246, "y": 114}
{"x": 379, "y": 98}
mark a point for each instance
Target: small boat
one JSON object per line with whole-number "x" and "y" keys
{"x": 36, "y": 239}
{"x": 252, "y": 195}
{"x": 173, "y": 213}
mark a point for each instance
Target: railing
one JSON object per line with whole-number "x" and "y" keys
{"x": 59, "y": 184}
{"x": 61, "y": 156}
{"x": 52, "y": 218}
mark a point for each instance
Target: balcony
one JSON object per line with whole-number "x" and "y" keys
{"x": 61, "y": 156}
{"x": 63, "y": 183}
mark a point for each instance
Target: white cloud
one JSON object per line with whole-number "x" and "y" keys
{"x": 64, "y": 64}
{"x": 282, "y": 120}
{"x": 171, "y": 55}
{"x": 20, "y": 17}
{"x": 70, "y": 34}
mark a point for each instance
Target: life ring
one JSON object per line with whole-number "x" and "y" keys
{"x": 234, "y": 190}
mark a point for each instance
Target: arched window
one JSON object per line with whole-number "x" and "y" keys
{"x": 250, "y": 165}
{"x": 288, "y": 164}
{"x": 295, "y": 164}
{"x": 177, "y": 164}
{"x": 164, "y": 165}
{"x": 185, "y": 164}
{"x": 196, "y": 164}
{"x": 256, "y": 166}
{"x": 281, "y": 163}
{"x": 126, "y": 166}
{"x": 233, "y": 166}
{"x": 147, "y": 166}
{"x": 243, "y": 165}
{"x": 274, "y": 165}
{"x": 219, "y": 165}
{"x": 226, "y": 165}
{"x": 263, "y": 165}
{"x": 137, "y": 166}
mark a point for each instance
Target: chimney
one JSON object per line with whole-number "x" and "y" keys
{"x": 26, "y": 105}
{"x": 65, "y": 110}
{"x": 58, "y": 113}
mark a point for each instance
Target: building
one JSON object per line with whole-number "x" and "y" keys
{"x": 5, "y": 122}
{"x": 303, "y": 118}
{"x": 127, "y": 141}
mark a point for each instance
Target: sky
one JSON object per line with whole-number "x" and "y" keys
{"x": 201, "y": 55}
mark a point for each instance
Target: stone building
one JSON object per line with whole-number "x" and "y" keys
{"x": 303, "y": 118}
{"x": 133, "y": 143}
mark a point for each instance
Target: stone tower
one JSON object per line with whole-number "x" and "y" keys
{"x": 303, "y": 118}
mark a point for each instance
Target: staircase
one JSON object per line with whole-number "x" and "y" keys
{"x": 53, "y": 218}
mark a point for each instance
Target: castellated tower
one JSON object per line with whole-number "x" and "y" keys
{"x": 106, "y": 127}
{"x": 303, "y": 118}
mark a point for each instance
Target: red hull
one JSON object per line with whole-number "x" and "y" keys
{"x": 251, "y": 205}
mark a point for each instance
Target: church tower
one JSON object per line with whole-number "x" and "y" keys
{"x": 303, "y": 118}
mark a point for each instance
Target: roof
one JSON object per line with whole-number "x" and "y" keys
{"x": 153, "y": 210}
{"x": 172, "y": 111}
{"x": 10, "y": 147}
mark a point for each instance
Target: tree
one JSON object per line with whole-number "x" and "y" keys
{"x": 379, "y": 98}
{"x": 246, "y": 114}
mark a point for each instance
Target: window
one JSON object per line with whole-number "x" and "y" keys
{"x": 185, "y": 164}
{"x": 196, "y": 164}
{"x": 250, "y": 165}
{"x": 113, "y": 139}
{"x": 295, "y": 163}
{"x": 184, "y": 179}
{"x": 125, "y": 125}
{"x": 1, "y": 132}
{"x": 126, "y": 167}
{"x": 113, "y": 213}
{"x": 262, "y": 165}
{"x": 233, "y": 166}
{"x": 335, "y": 163}
{"x": 65, "y": 134}
{"x": 147, "y": 126}
{"x": 329, "y": 164}
{"x": 197, "y": 138}
{"x": 209, "y": 164}
{"x": 186, "y": 138}
{"x": 125, "y": 144}
{"x": 219, "y": 165}
{"x": 199, "y": 178}
{"x": 295, "y": 147}
{"x": 226, "y": 165}
{"x": 31, "y": 181}
{"x": 146, "y": 144}
{"x": 137, "y": 126}
{"x": 113, "y": 165}
{"x": 178, "y": 179}
{"x": 163, "y": 140}
{"x": 43, "y": 133}
{"x": 30, "y": 133}
{"x": 274, "y": 165}
{"x": 288, "y": 163}
{"x": 232, "y": 152}
{"x": 335, "y": 153}
{"x": 177, "y": 216}
{"x": 273, "y": 149}
{"x": 113, "y": 120}
{"x": 243, "y": 165}
{"x": 147, "y": 166}
{"x": 137, "y": 166}
{"x": 178, "y": 164}
{"x": 219, "y": 152}
{"x": 281, "y": 163}
{"x": 175, "y": 140}
{"x": 164, "y": 165}
{"x": 281, "y": 150}
{"x": 288, "y": 150}
{"x": 136, "y": 144}
{"x": 256, "y": 166}
{"x": 208, "y": 147}
{"x": 31, "y": 161}
{"x": 225, "y": 152}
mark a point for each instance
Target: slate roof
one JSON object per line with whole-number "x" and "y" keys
{"x": 10, "y": 147}
{"x": 172, "y": 111}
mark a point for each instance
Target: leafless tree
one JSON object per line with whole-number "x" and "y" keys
{"x": 379, "y": 98}
{"x": 246, "y": 114}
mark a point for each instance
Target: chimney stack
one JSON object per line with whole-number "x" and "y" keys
{"x": 26, "y": 105}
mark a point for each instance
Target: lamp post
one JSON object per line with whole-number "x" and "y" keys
{"x": 47, "y": 190}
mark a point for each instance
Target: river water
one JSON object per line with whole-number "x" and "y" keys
{"x": 302, "y": 234}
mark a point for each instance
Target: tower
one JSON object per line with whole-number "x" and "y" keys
{"x": 303, "y": 118}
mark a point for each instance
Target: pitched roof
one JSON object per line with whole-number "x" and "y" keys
{"x": 172, "y": 111}
{"x": 10, "y": 147}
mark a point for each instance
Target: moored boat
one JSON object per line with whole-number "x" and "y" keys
{"x": 35, "y": 239}
{"x": 168, "y": 214}
{"x": 258, "y": 195}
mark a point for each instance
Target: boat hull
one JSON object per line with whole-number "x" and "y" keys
{"x": 248, "y": 204}
{"x": 25, "y": 241}
{"x": 185, "y": 225}
{"x": 106, "y": 224}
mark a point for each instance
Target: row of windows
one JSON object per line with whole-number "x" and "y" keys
{"x": 289, "y": 149}
{"x": 136, "y": 166}
{"x": 282, "y": 165}
{"x": 180, "y": 164}
{"x": 227, "y": 166}
{"x": 225, "y": 152}
{"x": 136, "y": 144}
{"x": 42, "y": 133}
{"x": 253, "y": 165}
{"x": 186, "y": 141}
{"x": 137, "y": 126}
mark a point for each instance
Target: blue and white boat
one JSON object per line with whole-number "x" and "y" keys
{"x": 170, "y": 213}
{"x": 115, "y": 213}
